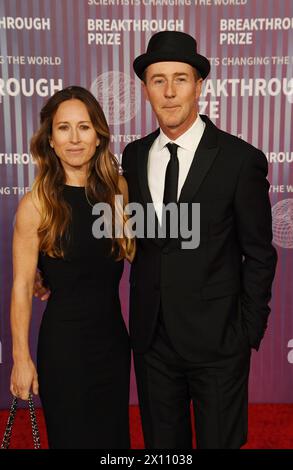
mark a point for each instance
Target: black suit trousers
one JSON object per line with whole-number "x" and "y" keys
{"x": 167, "y": 385}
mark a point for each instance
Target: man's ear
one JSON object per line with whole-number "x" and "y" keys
{"x": 145, "y": 91}
{"x": 198, "y": 87}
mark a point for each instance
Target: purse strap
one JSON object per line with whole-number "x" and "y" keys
{"x": 10, "y": 421}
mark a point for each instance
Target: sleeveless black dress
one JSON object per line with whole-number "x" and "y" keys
{"x": 83, "y": 357}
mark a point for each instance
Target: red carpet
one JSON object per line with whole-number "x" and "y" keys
{"x": 270, "y": 427}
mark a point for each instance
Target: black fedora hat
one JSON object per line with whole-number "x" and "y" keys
{"x": 173, "y": 46}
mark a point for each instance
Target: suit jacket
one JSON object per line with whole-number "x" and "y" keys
{"x": 214, "y": 298}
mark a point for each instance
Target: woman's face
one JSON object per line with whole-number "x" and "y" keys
{"x": 74, "y": 138}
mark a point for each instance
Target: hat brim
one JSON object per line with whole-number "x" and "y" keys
{"x": 198, "y": 61}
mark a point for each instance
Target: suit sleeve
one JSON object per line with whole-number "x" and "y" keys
{"x": 254, "y": 227}
{"x": 125, "y": 161}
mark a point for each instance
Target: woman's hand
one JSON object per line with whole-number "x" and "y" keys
{"x": 40, "y": 290}
{"x": 24, "y": 378}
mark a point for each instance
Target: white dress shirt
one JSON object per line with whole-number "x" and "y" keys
{"x": 159, "y": 157}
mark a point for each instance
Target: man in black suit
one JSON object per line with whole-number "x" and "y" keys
{"x": 196, "y": 313}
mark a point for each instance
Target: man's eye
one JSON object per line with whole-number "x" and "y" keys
{"x": 158, "y": 82}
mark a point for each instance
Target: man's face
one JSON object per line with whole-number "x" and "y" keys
{"x": 173, "y": 91}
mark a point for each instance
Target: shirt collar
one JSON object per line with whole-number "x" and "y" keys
{"x": 188, "y": 140}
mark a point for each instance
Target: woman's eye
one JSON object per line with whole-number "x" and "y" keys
{"x": 84, "y": 127}
{"x": 63, "y": 127}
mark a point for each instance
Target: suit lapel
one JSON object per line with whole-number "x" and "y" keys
{"x": 142, "y": 165}
{"x": 204, "y": 156}
{"x": 142, "y": 171}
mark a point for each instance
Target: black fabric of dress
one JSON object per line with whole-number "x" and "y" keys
{"x": 83, "y": 358}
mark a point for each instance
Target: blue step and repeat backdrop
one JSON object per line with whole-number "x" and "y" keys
{"x": 46, "y": 45}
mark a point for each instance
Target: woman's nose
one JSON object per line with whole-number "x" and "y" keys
{"x": 75, "y": 135}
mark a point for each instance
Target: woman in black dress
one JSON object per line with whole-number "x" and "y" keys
{"x": 83, "y": 360}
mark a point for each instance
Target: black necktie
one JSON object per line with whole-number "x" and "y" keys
{"x": 171, "y": 177}
{"x": 171, "y": 185}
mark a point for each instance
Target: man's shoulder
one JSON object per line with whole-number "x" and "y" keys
{"x": 142, "y": 141}
{"x": 226, "y": 140}
{"x": 135, "y": 149}
{"x": 236, "y": 145}
{"x": 234, "y": 148}
{"x": 240, "y": 152}
{"x": 233, "y": 140}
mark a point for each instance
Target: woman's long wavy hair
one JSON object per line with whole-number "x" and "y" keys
{"x": 47, "y": 190}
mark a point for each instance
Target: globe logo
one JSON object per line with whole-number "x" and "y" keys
{"x": 116, "y": 91}
{"x": 282, "y": 213}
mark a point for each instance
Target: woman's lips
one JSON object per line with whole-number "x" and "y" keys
{"x": 75, "y": 150}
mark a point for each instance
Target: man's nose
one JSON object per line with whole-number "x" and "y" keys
{"x": 170, "y": 90}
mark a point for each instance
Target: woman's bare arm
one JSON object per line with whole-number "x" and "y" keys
{"x": 25, "y": 258}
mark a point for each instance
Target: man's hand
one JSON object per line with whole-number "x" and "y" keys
{"x": 40, "y": 291}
